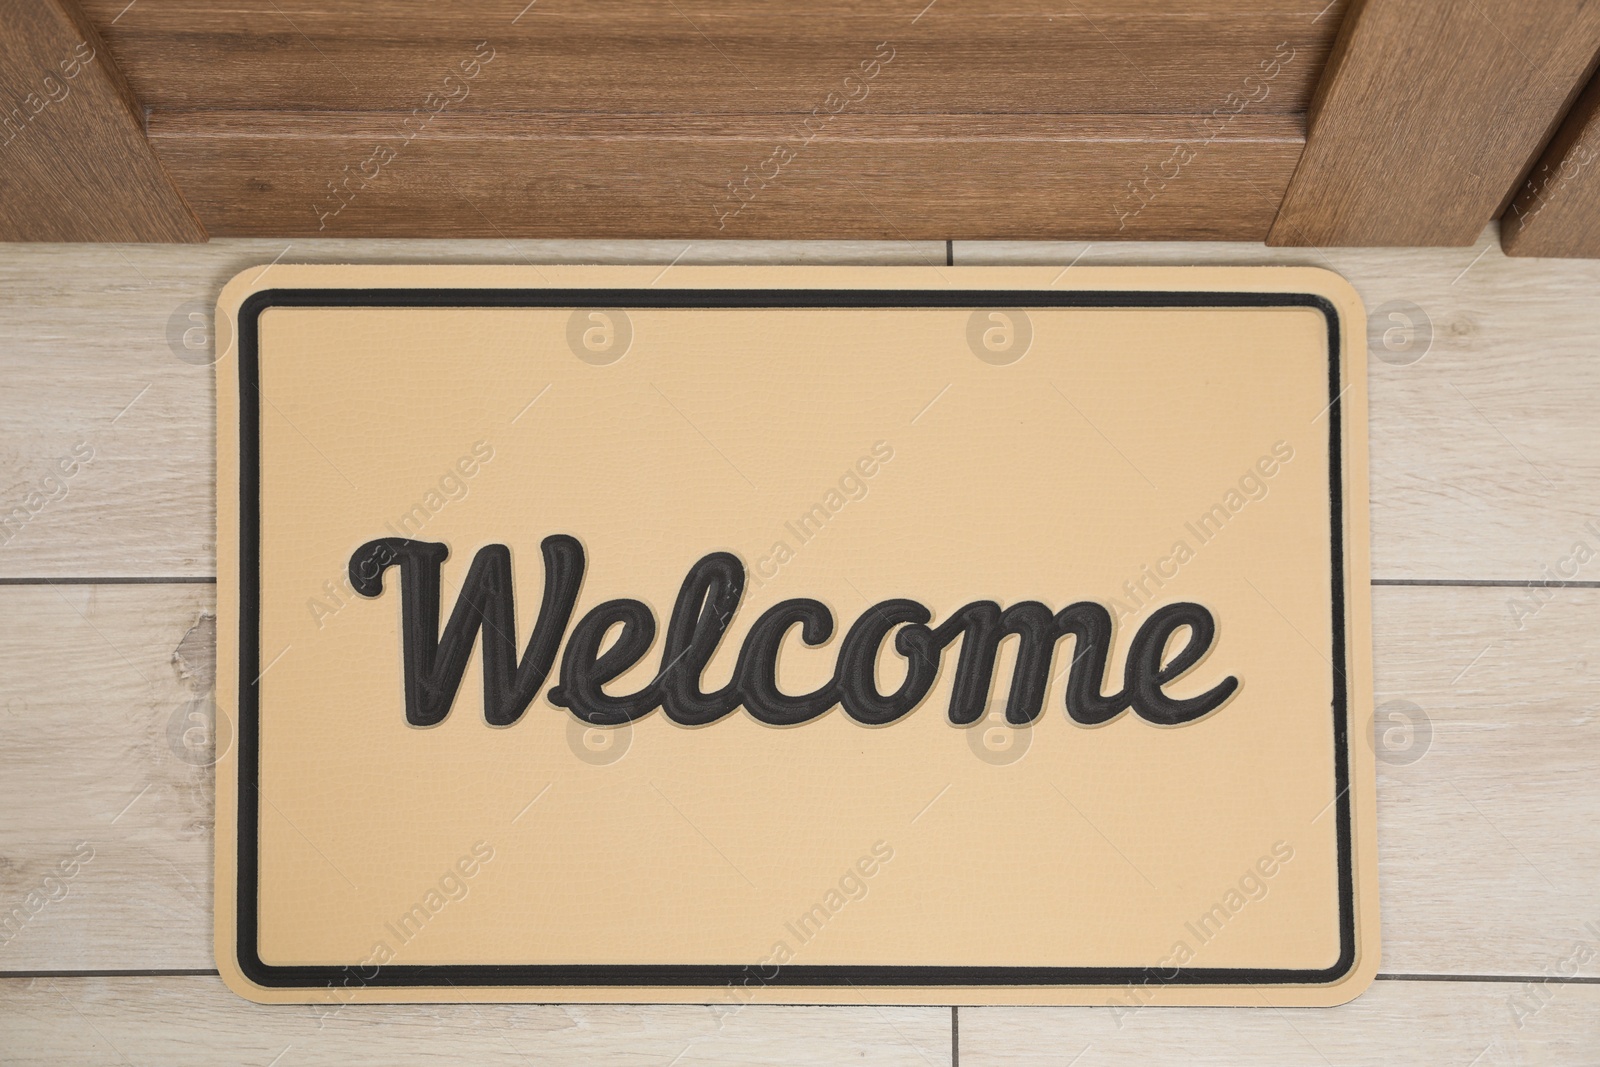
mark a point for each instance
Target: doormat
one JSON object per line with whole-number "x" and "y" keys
{"x": 797, "y": 635}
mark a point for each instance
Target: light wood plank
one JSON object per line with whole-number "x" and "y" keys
{"x": 195, "y": 1020}
{"x": 1557, "y": 210}
{"x": 856, "y": 174}
{"x": 94, "y": 763}
{"x": 1429, "y": 114}
{"x": 76, "y": 164}
{"x": 1485, "y": 451}
{"x": 1471, "y": 1024}
{"x": 1484, "y": 868}
{"x": 1485, "y": 865}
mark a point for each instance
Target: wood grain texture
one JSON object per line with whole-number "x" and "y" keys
{"x": 74, "y": 163}
{"x": 697, "y": 57}
{"x": 98, "y": 757}
{"x": 1557, "y": 210}
{"x": 1486, "y": 742}
{"x": 195, "y": 1020}
{"x": 622, "y": 119}
{"x": 1485, "y": 452}
{"x": 1429, "y": 114}
{"x": 1473, "y": 1024}
{"x": 1482, "y": 871}
{"x": 863, "y": 176}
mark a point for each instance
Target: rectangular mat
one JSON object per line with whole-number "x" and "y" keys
{"x": 734, "y": 635}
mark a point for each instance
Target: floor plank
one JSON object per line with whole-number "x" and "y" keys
{"x": 87, "y": 768}
{"x": 1484, "y": 868}
{"x": 196, "y": 1020}
{"x": 1473, "y": 1024}
{"x": 1485, "y": 863}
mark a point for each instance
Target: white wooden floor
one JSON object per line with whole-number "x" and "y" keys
{"x": 1485, "y": 475}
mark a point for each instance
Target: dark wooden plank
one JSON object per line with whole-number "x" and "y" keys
{"x": 1557, "y": 210}
{"x": 722, "y": 56}
{"x": 925, "y": 177}
{"x": 74, "y": 163}
{"x": 1428, "y": 116}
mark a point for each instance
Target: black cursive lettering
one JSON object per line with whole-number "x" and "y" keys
{"x": 434, "y": 663}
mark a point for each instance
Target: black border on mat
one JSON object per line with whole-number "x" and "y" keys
{"x": 676, "y": 975}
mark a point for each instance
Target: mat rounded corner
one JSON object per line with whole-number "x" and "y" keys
{"x": 240, "y": 304}
{"x": 244, "y": 287}
{"x": 1349, "y": 978}
{"x": 1342, "y": 298}
{"x": 235, "y": 974}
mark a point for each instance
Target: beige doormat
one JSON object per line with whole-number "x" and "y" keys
{"x": 809, "y": 635}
